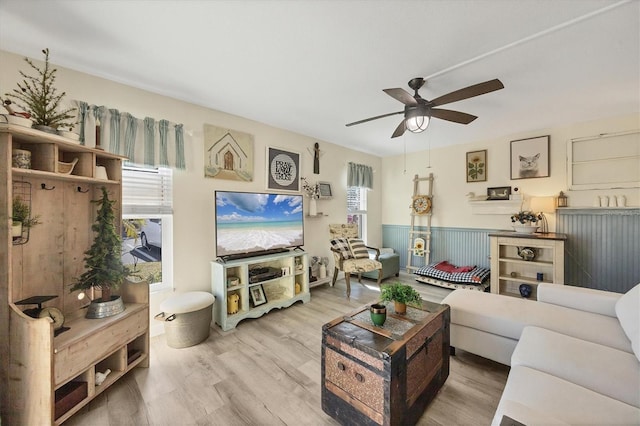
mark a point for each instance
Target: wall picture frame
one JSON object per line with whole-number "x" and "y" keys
{"x": 228, "y": 154}
{"x": 499, "y": 193}
{"x": 283, "y": 170}
{"x": 477, "y": 166}
{"x": 257, "y": 295}
{"x": 530, "y": 158}
{"x": 324, "y": 189}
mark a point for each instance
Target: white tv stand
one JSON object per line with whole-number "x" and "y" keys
{"x": 280, "y": 292}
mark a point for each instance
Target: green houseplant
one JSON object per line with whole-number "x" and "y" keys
{"x": 21, "y": 217}
{"x": 38, "y": 95}
{"x": 402, "y": 295}
{"x": 103, "y": 262}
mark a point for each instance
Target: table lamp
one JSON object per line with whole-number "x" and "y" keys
{"x": 543, "y": 205}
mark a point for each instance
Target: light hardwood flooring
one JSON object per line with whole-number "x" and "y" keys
{"x": 267, "y": 372}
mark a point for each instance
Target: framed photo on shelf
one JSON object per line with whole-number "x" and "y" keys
{"x": 477, "y": 166}
{"x": 499, "y": 193}
{"x": 530, "y": 158}
{"x": 257, "y": 295}
{"x": 324, "y": 188}
{"x": 283, "y": 170}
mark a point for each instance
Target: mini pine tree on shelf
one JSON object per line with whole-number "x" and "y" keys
{"x": 40, "y": 97}
{"x": 103, "y": 262}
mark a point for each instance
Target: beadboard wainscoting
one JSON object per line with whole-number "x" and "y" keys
{"x": 460, "y": 246}
{"x": 603, "y": 248}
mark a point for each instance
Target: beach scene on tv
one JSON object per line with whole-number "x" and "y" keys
{"x": 252, "y": 222}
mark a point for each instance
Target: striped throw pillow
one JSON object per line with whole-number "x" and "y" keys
{"x": 342, "y": 245}
{"x": 358, "y": 249}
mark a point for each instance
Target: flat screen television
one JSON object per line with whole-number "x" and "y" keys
{"x": 251, "y": 223}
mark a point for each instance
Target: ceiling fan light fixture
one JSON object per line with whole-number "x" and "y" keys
{"x": 417, "y": 122}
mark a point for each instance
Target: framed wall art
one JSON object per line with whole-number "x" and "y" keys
{"x": 477, "y": 166}
{"x": 283, "y": 170}
{"x": 499, "y": 193}
{"x": 325, "y": 190}
{"x": 530, "y": 158}
{"x": 228, "y": 154}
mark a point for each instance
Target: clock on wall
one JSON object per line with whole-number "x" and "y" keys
{"x": 421, "y": 204}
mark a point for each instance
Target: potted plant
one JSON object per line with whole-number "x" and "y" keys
{"x": 21, "y": 217}
{"x": 402, "y": 295}
{"x": 103, "y": 262}
{"x": 40, "y": 98}
{"x": 525, "y": 221}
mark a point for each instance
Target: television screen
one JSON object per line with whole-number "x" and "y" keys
{"x": 250, "y": 223}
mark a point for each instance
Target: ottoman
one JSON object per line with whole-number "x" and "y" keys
{"x": 390, "y": 265}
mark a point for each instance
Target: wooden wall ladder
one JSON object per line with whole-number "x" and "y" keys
{"x": 424, "y": 234}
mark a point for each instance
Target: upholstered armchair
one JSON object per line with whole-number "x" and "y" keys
{"x": 350, "y": 254}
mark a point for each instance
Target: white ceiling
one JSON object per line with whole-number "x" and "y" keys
{"x": 313, "y": 66}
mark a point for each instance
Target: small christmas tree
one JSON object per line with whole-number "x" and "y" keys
{"x": 103, "y": 262}
{"x": 39, "y": 96}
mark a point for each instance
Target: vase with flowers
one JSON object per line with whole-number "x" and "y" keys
{"x": 525, "y": 222}
{"x": 313, "y": 192}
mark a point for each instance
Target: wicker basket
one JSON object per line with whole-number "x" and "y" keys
{"x": 66, "y": 168}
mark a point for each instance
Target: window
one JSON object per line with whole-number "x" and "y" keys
{"x": 147, "y": 219}
{"x": 357, "y": 209}
{"x": 605, "y": 161}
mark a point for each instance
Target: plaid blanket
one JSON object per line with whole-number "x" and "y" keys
{"x": 475, "y": 276}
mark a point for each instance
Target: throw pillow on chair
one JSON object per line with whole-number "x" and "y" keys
{"x": 358, "y": 249}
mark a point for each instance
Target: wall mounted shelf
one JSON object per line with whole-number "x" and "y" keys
{"x": 495, "y": 206}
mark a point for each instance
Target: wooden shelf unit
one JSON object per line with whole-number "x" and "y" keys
{"x": 320, "y": 281}
{"x": 40, "y": 369}
{"x": 280, "y": 292}
{"x": 508, "y": 270}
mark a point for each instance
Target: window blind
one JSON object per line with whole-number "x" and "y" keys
{"x": 147, "y": 191}
{"x": 356, "y": 200}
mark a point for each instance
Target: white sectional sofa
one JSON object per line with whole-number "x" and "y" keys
{"x": 574, "y": 353}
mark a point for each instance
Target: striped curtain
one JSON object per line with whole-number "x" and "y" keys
{"x": 145, "y": 142}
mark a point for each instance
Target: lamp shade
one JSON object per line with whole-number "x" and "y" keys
{"x": 417, "y": 120}
{"x": 543, "y": 205}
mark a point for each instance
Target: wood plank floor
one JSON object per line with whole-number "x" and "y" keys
{"x": 267, "y": 372}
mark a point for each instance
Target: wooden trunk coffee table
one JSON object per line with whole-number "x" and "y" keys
{"x": 384, "y": 375}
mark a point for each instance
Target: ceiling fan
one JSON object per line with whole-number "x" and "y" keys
{"x": 417, "y": 111}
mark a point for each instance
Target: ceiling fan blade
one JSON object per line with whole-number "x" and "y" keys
{"x": 402, "y": 96}
{"x": 399, "y": 130}
{"x": 468, "y": 92}
{"x": 455, "y": 116}
{"x": 374, "y": 118}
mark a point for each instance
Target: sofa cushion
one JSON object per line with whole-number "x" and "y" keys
{"x": 358, "y": 266}
{"x": 523, "y": 413}
{"x": 602, "y": 369}
{"x": 560, "y": 399}
{"x": 628, "y": 312}
{"x": 581, "y": 298}
{"x": 507, "y": 316}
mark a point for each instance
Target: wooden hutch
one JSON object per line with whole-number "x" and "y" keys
{"x": 46, "y": 378}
